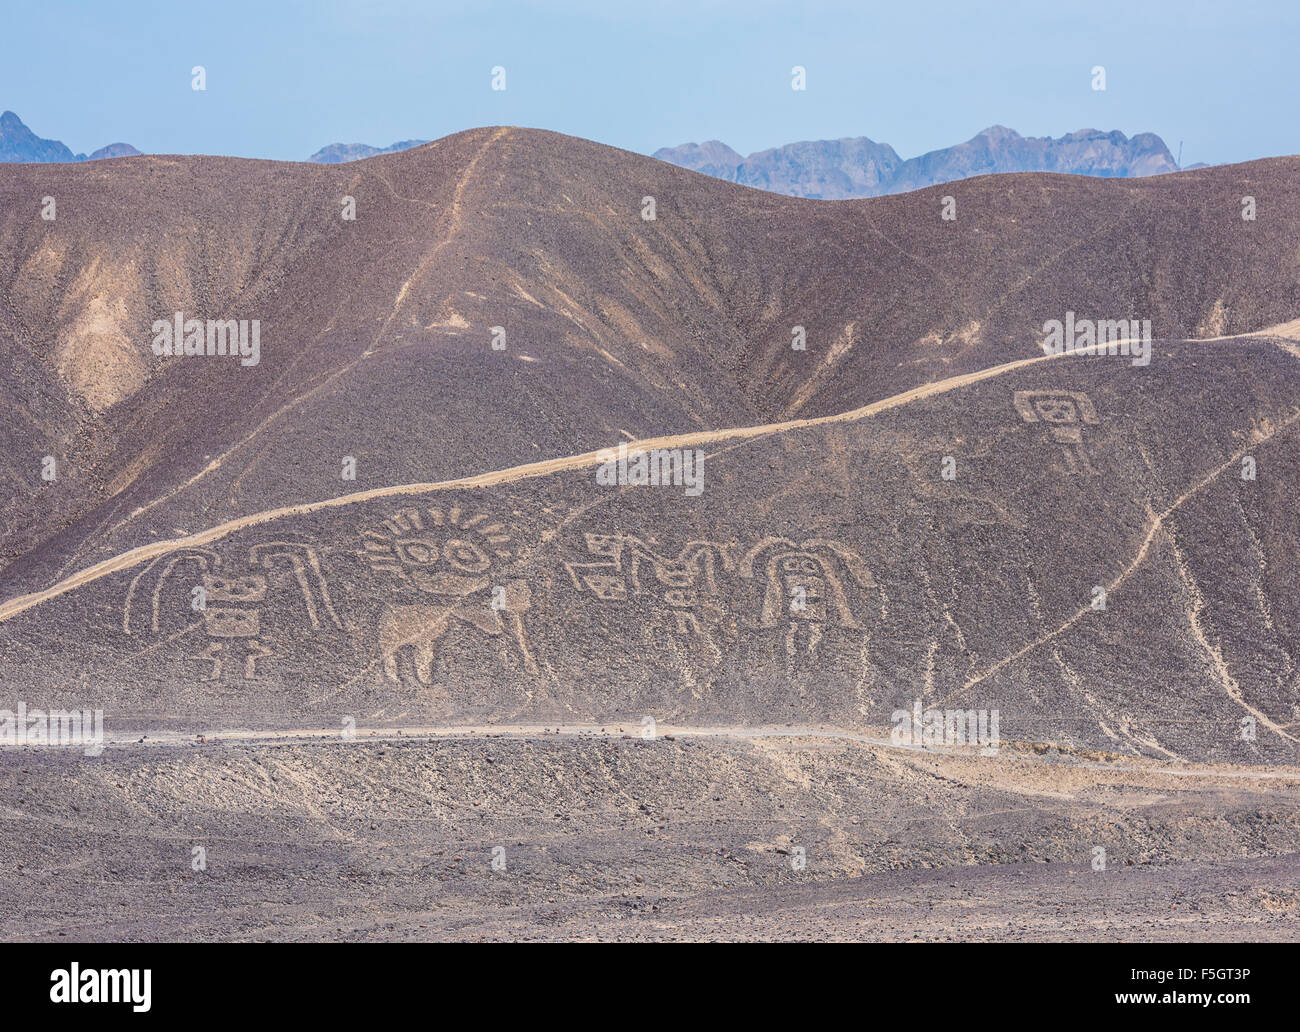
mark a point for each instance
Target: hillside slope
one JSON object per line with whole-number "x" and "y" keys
{"x": 538, "y": 593}
{"x": 376, "y": 334}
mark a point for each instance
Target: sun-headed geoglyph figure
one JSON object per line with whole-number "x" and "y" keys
{"x": 455, "y": 561}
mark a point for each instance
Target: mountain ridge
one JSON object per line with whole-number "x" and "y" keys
{"x": 19, "y": 145}
{"x": 849, "y": 167}
{"x": 339, "y": 153}
{"x": 854, "y": 167}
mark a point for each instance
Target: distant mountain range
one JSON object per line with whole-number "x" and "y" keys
{"x": 337, "y": 153}
{"x": 20, "y": 144}
{"x": 859, "y": 167}
{"x": 832, "y": 169}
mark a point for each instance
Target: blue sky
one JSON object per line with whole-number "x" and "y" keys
{"x": 285, "y": 77}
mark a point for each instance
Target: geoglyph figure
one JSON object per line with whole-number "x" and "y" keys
{"x": 803, "y": 584}
{"x": 453, "y": 559}
{"x": 1067, "y": 413}
{"x": 234, "y": 625}
{"x": 803, "y": 587}
{"x": 682, "y": 582}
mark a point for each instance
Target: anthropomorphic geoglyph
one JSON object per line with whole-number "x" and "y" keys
{"x": 453, "y": 561}
{"x": 685, "y": 583}
{"x": 231, "y": 602}
{"x": 803, "y": 588}
{"x": 1067, "y": 413}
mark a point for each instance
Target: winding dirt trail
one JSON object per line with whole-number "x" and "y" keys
{"x": 455, "y": 221}
{"x": 1010, "y": 752}
{"x": 143, "y": 553}
{"x": 135, "y": 556}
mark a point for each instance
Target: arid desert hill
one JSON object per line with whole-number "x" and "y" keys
{"x": 376, "y": 334}
{"x": 353, "y": 695}
{"x": 955, "y": 499}
{"x": 537, "y": 594}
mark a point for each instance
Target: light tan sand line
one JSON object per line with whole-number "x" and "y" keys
{"x": 135, "y": 556}
{"x": 1155, "y": 525}
{"x": 1008, "y": 754}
